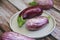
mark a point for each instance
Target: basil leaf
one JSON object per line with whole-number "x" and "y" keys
{"x": 20, "y": 21}
{"x": 33, "y": 3}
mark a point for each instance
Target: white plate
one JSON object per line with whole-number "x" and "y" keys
{"x": 33, "y": 34}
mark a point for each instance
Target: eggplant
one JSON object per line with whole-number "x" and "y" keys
{"x": 31, "y": 12}
{"x": 45, "y": 4}
{"x": 36, "y": 23}
{"x": 0, "y": 38}
{"x": 14, "y": 36}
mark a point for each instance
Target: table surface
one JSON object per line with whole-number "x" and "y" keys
{"x": 7, "y": 10}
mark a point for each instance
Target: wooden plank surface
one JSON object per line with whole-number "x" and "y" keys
{"x": 7, "y": 10}
{"x": 57, "y": 4}
{"x": 52, "y": 11}
{"x": 18, "y": 3}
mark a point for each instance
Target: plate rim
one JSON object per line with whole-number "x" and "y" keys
{"x": 40, "y": 36}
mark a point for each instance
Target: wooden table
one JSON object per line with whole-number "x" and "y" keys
{"x": 7, "y": 10}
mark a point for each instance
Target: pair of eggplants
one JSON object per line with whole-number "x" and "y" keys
{"x": 32, "y": 13}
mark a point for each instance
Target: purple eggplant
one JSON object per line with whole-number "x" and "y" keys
{"x": 36, "y": 23}
{"x": 45, "y": 4}
{"x": 14, "y": 36}
{"x": 31, "y": 12}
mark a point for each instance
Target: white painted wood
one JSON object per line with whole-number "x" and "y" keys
{"x": 57, "y": 7}
{"x": 56, "y": 33}
{"x": 5, "y": 14}
{"x": 18, "y": 3}
{"x": 57, "y": 4}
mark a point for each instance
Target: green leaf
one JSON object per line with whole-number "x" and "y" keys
{"x": 48, "y": 17}
{"x": 20, "y": 21}
{"x": 33, "y": 3}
